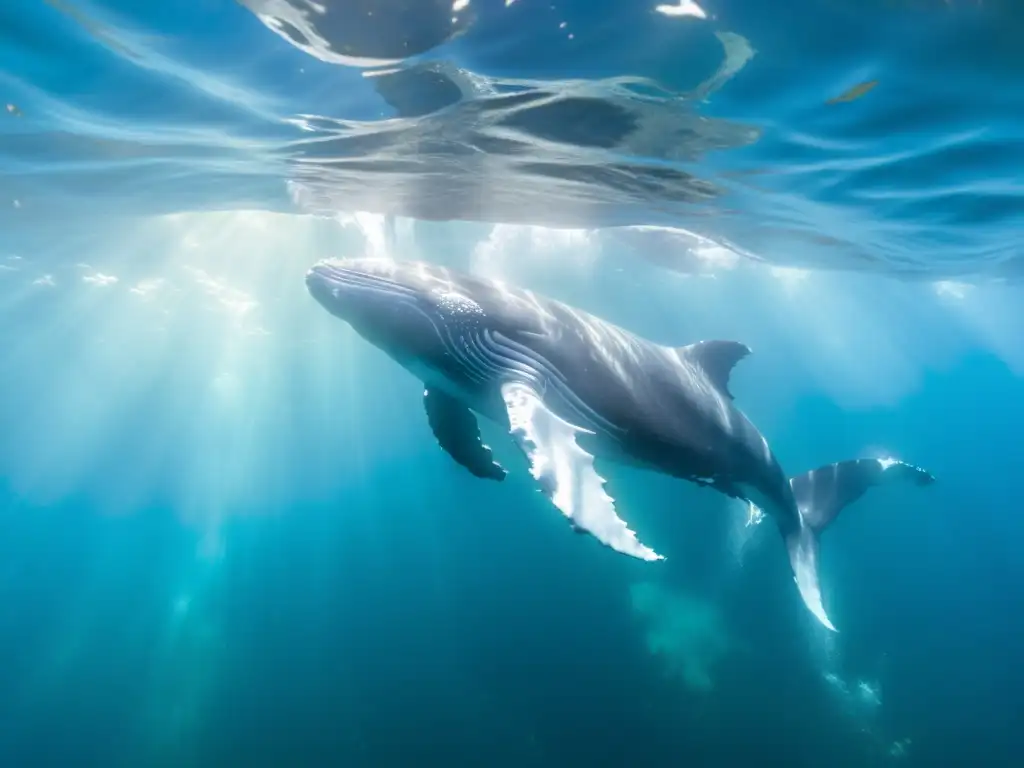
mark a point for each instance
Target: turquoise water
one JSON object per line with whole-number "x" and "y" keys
{"x": 230, "y": 537}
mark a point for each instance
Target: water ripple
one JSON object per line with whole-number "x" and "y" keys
{"x": 880, "y": 135}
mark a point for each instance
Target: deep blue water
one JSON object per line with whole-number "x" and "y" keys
{"x": 229, "y": 535}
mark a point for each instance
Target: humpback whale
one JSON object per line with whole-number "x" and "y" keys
{"x": 569, "y": 387}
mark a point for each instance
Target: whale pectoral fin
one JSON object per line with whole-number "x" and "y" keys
{"x": 566, "y": 472}
{"x": 458, "y": 433}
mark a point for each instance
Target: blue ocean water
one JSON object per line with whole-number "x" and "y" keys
{"x": 230, "y": 537}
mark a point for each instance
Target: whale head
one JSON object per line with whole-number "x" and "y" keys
{"x": 382, "y": 301}
{"x": 411, "y": 310}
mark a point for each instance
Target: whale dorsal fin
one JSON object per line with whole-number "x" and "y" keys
{"x": 717, "y": 359}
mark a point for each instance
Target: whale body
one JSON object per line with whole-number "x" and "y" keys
{"x": 570, "y": 387}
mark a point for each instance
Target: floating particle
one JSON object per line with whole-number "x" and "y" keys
{"x": 684, "y": 8}
{"x": 853, "y": 93}
{"x": 12, "y": 109}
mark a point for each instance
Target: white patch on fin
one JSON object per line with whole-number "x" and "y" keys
{"x": 566, "y": 472}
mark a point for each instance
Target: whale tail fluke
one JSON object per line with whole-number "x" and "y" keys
{"x": 821, "y": 495}
{"x": 802, "y": 546}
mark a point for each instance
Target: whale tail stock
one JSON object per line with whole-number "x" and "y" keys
{"x": 821, "y": 495}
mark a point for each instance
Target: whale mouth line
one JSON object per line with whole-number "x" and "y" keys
{"x": 335, "y": 278}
